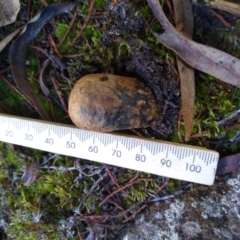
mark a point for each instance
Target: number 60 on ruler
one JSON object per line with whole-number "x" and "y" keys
{"x": 167, "y": 159}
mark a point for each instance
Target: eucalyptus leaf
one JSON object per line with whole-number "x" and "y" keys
{"x": 217, "y": 63}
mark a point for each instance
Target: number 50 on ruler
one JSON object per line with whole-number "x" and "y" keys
{"x": 167, "y": 159}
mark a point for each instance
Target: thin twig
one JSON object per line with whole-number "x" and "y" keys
{"x": 159, "y": 189}
{"x": 85, "y": 22}
{"x": 137, "y": 133}
{"x": 201, "y": 134}
{"x": 74, "y": 55}
{"x": 130, "y": 183}
{"x": 54, "y": 46}
{"x": 114, "y": 180}
{"x": 134, "y": 214}
{"x": 43, "y": 51}
{"x": 70, "y": 27}
{"x": 220, "y": 17}
{"x": 225, "y": 120}
{"x": 58, "y": 91}
{"x": 77, "y": 210}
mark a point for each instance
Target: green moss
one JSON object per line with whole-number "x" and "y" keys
{"x": 9, "y": 98}
{"x": 219, "y": 103}
{"x": 99, "y": 3}
{"x": 48, "y": 196}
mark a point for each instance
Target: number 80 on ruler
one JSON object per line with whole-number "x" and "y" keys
{"x": 168, "y": 159}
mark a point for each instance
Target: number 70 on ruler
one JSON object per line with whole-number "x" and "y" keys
{"x": 167, "y": 159}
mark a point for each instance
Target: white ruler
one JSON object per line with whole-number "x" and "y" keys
{"x": 189, "y": 163}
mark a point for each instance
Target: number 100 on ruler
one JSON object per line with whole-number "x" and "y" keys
{"x": 167, "y": 159}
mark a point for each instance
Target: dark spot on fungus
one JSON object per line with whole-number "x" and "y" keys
{"x": 104, "y": 78}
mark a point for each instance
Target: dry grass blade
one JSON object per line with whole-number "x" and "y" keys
{"x": 207, "y": 59}
{"x": 184, "y": 24}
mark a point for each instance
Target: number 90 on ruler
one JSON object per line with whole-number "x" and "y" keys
{"x": 167, "y": 159}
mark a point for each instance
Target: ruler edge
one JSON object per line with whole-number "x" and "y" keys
{"x": 72, "y": 127}
{"x": 108, "y": 133}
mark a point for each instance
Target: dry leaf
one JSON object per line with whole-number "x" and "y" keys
{"x": 184, "y": 24}
{"x": 232, "y": 8}
{"x": 207, "y": 59}
{"x": 18, "y": 49}
{"x": 8, "y": 11}
{"x": 7, "y": 39}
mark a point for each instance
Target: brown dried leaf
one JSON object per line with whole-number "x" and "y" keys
{"x": 8, "y": 11}
{"x": 207, "y": 59}
{"x": 184, "y": 24}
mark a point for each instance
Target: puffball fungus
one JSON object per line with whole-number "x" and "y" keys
{"x": 106, "y": 102}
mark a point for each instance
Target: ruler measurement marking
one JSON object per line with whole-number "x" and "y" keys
{"x": 167, "y": 153}
{"x": 139, "y": 154}
{"x": 153, "y": 150}
{"x": 158, "y": 148}
{"x": 123, "y": 142}
{"x": 211, "y": 159}
{"x": 194, "y": 155}
{"x": 185, "y": 153}
{"x": 207, "y": 159}
{"x": 129, "y": 144}
{"x": 177, "y": 152}
{"x": 174, "y": 151}
{"x": 204, "y": 157}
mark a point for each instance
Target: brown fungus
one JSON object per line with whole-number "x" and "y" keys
{"x": 106, "y": 102}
